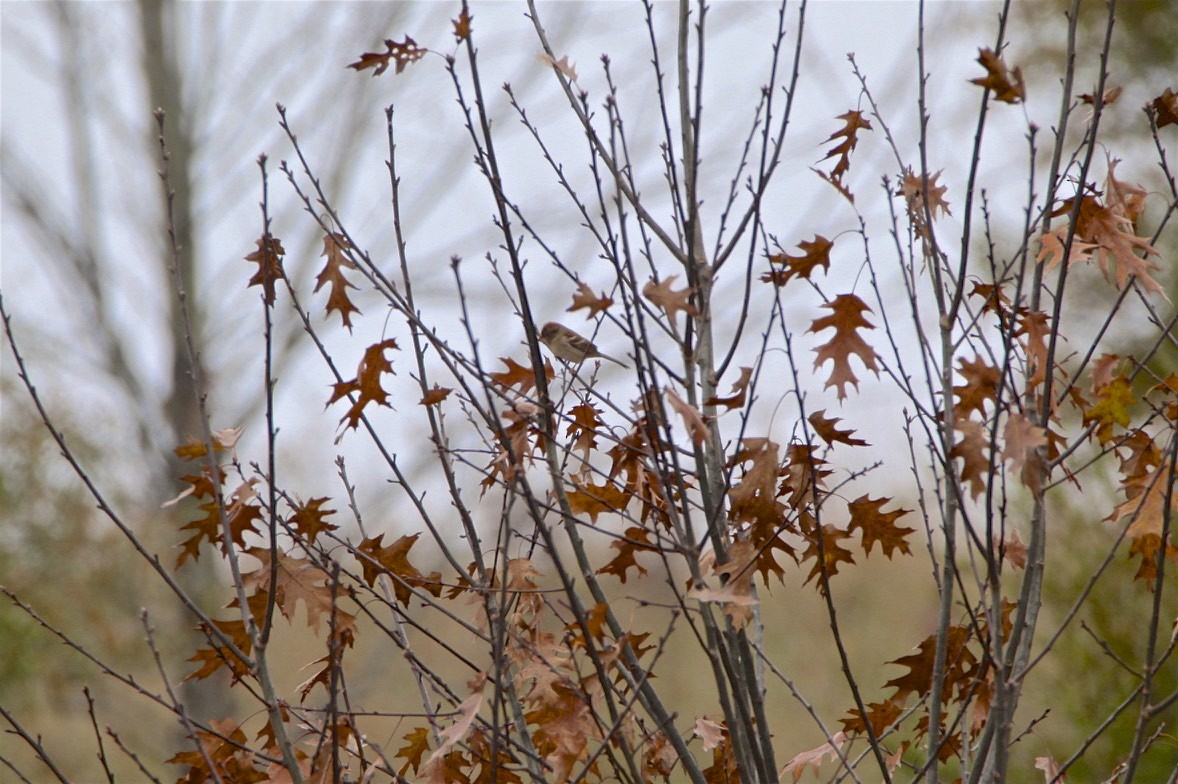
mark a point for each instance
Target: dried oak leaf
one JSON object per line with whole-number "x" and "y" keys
{"x": 366, "y": 385}
{"x": 739, "y": 391}
{"x": 879, "y": 526}
{"x": 394, "y": 560}
{"x": 636, "y": 539}
{"x": 846, "y": 319}
{"x": 562, "y": 65}
{"x": 917, "y": 193}
{"x": 972, "y": 451}
{"x": 815, "y": 757}
{"x": 670, "y": 301}
{"x": 981, "y": 385}
{"x": 1166, "y": 107}
{"x": 402, "y": 53}
{"x": 1111, "y": 408}
{"x": 518, "y": 376}
{"x": 585, "y": 298}
{"x": 1006, "y": 83}
{"x": 268, "y": 257}
{"x": 462, "y": 25}
{"x": 815, "y": 253}
{"x": 853, "y": 122}
{"x": 826, "y": 556}
{"x": 335, "y": 248}
{"x": 435, "y": 395}
{"x": 594, "y": 500}
{"x": 827, "y": 430}
{"x": 307, "y": 519}
{"x": 693, "y": 420}
{"x": 584, "y": 422}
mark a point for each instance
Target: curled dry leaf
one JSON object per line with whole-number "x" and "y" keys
{"x": 562, "y": 65}
{"x": 692, "y": 418}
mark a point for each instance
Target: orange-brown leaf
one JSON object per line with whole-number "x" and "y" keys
{"x": 585, "y": 298}
{"x": 435, "y": 395}
{"x": 307, "y": 519}
{"x": 815, "y": 253}
{"x": 853, "y": 122}
{"x": 1166, "y": 108}
{"x": 739, "y": 391}
{"x": 401, "y": 53}
{"x": 268, "y": 257}
{"x": 846, "y": 319}
{"x": 879, "y": 526}
{"x": 366, "y": 385}
{"x": 335, "y": 248}
{"x": 594, "y": 500}
{"x": 693, "y": 420}
{"x": 394, "y": 560}
{"x": 972, "y": 451}
{"x": 1006, "y": 83}
{"x": 827, "y": 430}
{"x": 462, "y": 28}
{"x": 981, "y": 385}
{"x": 416, "y": 745}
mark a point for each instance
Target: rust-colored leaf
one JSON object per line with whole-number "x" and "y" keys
{"x": 1166, "y": 108}
{"x": 401, "y": 53}
{"x": 462, "y": 24}
{"x": 435, "y": 395}
{"x": 366, "y": 385}
{"x": 879, "y": 526}
{"x": 307, "y": 519}
{"x": 827, "y": 430}
{"x": 815, "y": 254}
{"x": 335, "y": 248}
{"x": 585, "y": 298}
{"x": 268, "y": 257}
{"x": 846, "y": 319}
{"x": 1006, "y": 83}
{"x": 738, "y": 392}
{"x": 393, "y": 559}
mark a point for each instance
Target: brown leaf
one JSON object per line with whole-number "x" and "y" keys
{"x": 594, "y": 500}
{"x": 1166, "y": 107}
{"x": 268, "y": 257}
{"x": 1007, "y": 84}
{"x": 670, "y": 301}
{"x": 435, "y": 395}
{"x": 693, "y": 420}
{"x": 366, "y": 385}
{"x": 846, "y": 319}
{"x": 585, "y": 298}
{"x": 462, "y": 25}
{"x": 518, "y": 376}
{"x": 853, "y": 122}
{"x": 710, "y": 732}
{"x": 394, "y": 560}
{"x": 879, "y": 526}
{"x": 815, "y": 253}
{"x": 981, "y": 385}
{"x": 739, "y": 390}
{"x": 416, "y": 745}
{"x": 827, "y": 430}
{"x": 307, "y": 519}
{"x": 402, "y": 53}
{"x": 561, "y": 65}
{"x": 916, "y": 193}
{"x": 335, "y": 247}
{"x": 972, "y": 451}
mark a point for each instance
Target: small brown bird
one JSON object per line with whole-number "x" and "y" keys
{"x": 570, "y": 346}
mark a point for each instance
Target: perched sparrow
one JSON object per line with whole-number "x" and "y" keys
{"x": 570, "y": 346}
